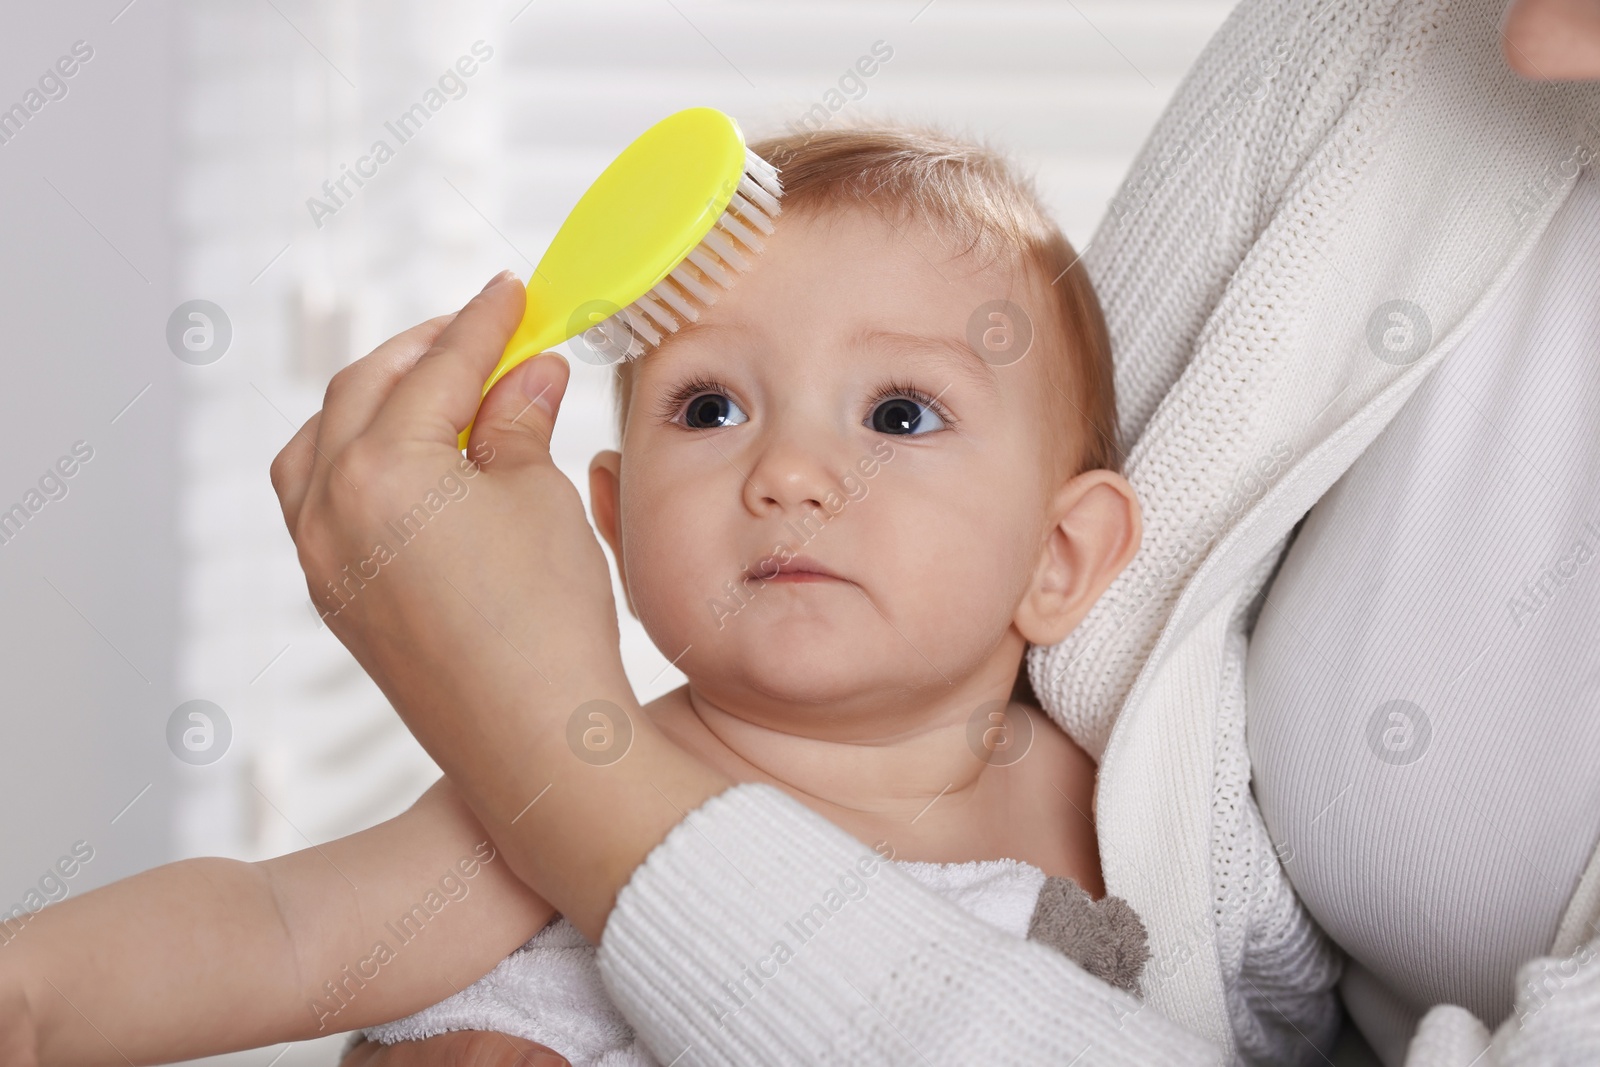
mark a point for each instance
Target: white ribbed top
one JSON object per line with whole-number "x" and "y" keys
{"x": 1455, "y": 567}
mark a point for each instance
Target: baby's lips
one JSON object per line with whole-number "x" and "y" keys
{"x": 771, "y": 567}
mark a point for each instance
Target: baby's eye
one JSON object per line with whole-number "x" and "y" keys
{"x": 905, "y": 415}
{"x": 710, "y": 411}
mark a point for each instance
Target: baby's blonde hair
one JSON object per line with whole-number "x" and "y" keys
{"x": 973, "y": 195}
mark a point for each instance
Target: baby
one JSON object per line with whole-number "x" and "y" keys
{"x": 855, "y": 491}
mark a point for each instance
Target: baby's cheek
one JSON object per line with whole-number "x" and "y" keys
{"x": 667, "y": 582}
{"x": 955, "y": 564}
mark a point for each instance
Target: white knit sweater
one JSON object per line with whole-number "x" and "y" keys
{"x": 1324, "y": 159}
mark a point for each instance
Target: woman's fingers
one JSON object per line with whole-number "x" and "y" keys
{"x": 357, "y": 393}
{"x": 291, "y": 470}
{"x": 518, "y": 416}
{"x": 445, "y": 361}
{"x": 439, "y": 396}
{"x": 353, "y": 397}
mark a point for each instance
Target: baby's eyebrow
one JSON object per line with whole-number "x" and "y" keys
{"x": 687, "y": 328}
{"x": 956, "y": 353}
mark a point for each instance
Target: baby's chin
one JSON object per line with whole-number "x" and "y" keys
{"x": 804, "y": 709}
{"x": 816, "y": 646}
{"x": 819, "y": 677}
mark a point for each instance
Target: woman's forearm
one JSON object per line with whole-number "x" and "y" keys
{"x": 574, "y": 822}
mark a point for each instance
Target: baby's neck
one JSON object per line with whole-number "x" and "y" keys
{"x": 921, "y": 789}
{"x": 893, "y": 776}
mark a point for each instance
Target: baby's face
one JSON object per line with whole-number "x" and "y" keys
{"x": 829, "y": 413}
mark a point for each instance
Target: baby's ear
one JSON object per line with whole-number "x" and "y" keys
{"x": 1095, "y": 529}
{"x": 605, "y": 501}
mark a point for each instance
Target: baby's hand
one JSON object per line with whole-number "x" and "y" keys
{"x": 462, "y": 1048}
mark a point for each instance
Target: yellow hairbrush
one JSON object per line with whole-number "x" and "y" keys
{"x": 671, "y": 222}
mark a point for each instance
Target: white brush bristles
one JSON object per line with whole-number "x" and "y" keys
{"x": 728, "y": 249}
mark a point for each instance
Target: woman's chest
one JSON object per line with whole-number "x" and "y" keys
{"x": 1424, "y": 684}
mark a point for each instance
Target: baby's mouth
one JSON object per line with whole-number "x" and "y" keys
{"x": 797, "y": 570}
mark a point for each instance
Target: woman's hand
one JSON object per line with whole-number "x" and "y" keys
{"x": 477, "y": 597}
{"x": 460, "y": 1048}
{"x": 431, "y": 568}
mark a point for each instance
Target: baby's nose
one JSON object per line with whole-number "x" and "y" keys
{"x": 791, "y": 476}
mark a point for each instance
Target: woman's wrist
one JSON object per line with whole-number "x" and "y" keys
{"x": 593, "y": 794}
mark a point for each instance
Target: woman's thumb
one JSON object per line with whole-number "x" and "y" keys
{"x": 518, "y": 416}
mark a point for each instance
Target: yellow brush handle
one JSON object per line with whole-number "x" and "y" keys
{"x": 642, "y": 216}
{"x": 539, "y": 331}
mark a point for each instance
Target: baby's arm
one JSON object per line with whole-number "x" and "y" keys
{"x": 212, "y": 955}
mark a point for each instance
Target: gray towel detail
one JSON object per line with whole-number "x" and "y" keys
{"x": 1104, "y": 937}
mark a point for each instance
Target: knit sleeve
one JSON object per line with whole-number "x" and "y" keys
{"x": 758, "y": 932}
{"x": 1262, "y": 98}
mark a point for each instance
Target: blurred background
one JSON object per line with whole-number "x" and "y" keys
{"x": 188, "y": 259}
